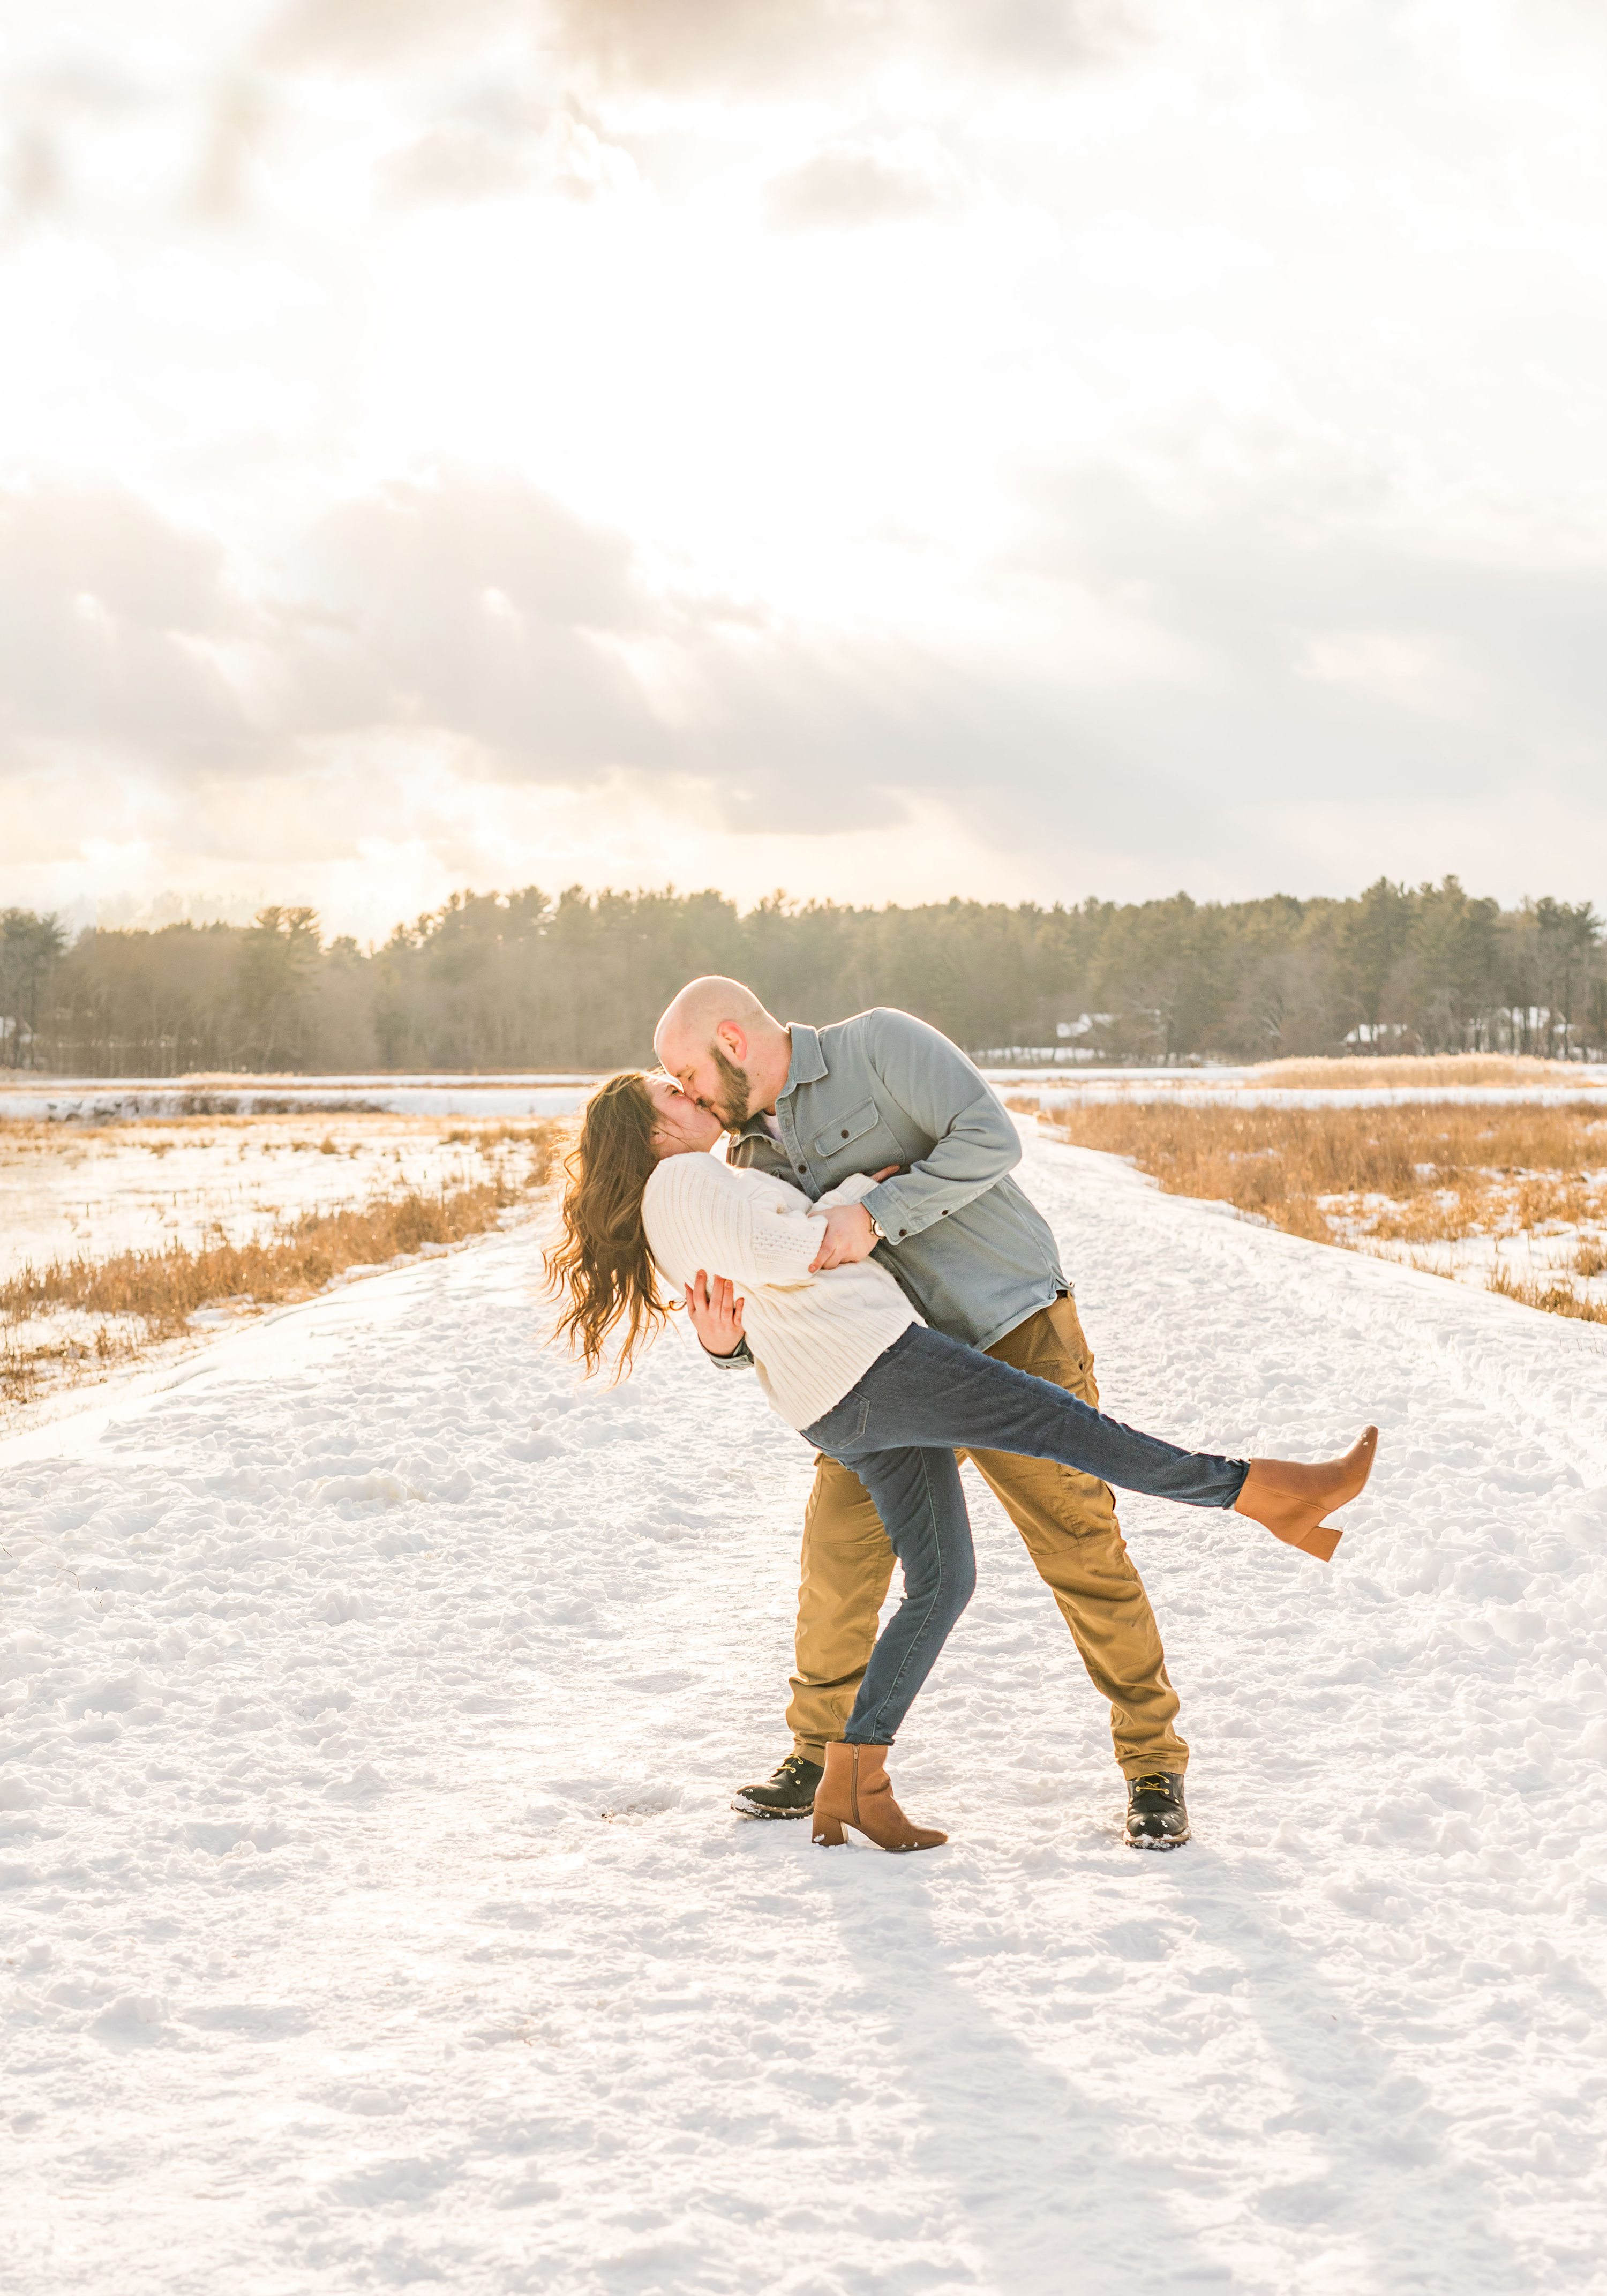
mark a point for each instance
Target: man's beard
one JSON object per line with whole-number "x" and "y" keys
{"x": 735, "y": 1104}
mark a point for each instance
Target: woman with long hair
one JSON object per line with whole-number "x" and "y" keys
{"x": 845, "y": 1359}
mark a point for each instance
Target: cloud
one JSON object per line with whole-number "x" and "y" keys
{"x": 734, "y": 46}
{"x": 221, "y": 190}
{"x": 1306, "y": 580}
{"x": 497, "y": 146}
{"x": 479, "y": 618}
{"x": 678, "y": 42}
{"x": 770, "y": 43}
{"x": 1309, "y": 588}
{"x": 1041, "y": 34}
{"x": 1259, "y": 682}
{"x": 110, "y": 623}
{"x": 487, "y": 613}
{"x": 851, "y": 184}
{"x": 362, "y": 35}
{"x": 32, "y": 172}
{"x": 489, "y": 617}
{"x": 42, "y": 106}
{"x": 462, "y": 160}
{"x": 1329, "y": 690}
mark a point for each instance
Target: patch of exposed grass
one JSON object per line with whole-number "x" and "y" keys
{"x": 153, "y": 1295}
{"x": 1448, "y": 1165}
{"x": 1424, "y": 1072}
{"x": 1414, "y": 1176}
{"x": 1555, "y": 1298}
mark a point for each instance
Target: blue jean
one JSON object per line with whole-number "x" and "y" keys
{"x": 899, "y": 1428}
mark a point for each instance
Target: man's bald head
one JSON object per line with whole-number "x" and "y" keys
{"x": 695, "y": 1013}
{"x": 728, "y": 1052}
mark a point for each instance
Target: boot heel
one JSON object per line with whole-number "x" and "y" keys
{"x": 828, "y": 1832}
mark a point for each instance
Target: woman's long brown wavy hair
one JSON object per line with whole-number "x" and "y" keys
{"x": 602, "y": 1261}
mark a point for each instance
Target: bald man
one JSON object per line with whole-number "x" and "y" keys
{"x": 885, "y": 1094}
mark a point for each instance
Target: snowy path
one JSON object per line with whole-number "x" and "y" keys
{"x": 372, "y": 1913}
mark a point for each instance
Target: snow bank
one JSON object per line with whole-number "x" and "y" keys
{"x": 373, "y": 1914}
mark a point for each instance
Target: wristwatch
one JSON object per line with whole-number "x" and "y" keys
{"x": 877, "y": 1230}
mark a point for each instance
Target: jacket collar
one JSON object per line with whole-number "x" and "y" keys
{"x": 809, "y": 1062}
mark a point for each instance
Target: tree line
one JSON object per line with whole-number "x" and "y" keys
{"x": 526, "y": 980}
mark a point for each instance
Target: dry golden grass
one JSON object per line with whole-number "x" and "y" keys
{"x": 1416, "y": 1073}
{"x": 1413, "y": 1176}
{"x": 1440, "y": 1168}
{"x": 157, "y": 1291}
{"x": 1555, "y": 1298}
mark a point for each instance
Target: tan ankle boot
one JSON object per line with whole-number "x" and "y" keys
{"x": 1290, "y": 1500}
{"x": 855, "y": 1792}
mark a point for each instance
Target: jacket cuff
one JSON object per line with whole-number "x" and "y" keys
{"x": 886, "y": 1206}
{"x": 740, "y": 1354}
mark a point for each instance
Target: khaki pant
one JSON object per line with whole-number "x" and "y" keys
{"x": 1068, "y": 1522}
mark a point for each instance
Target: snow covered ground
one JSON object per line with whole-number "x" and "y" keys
{"x": 373, "y": 1914}
{"x": 97, "y": 1099}
{"x": 57, "y": 1099}
{"x": 70, "y": 1189}
{"x": 1534, "y": 1256}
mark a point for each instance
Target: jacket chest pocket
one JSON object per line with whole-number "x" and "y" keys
{"x": 834, "y": 1139}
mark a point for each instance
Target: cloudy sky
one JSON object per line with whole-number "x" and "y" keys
{"x": 883, "y": 448}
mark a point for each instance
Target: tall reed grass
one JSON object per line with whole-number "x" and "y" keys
{"x": 1425, "y": 1072}
{"x": 1412, "y": 1174}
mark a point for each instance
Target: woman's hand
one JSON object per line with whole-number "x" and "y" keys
{"x": 715, "y": 1313}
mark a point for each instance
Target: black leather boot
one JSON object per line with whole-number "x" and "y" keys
{"x": 1157, "y": 1813}
{"x": 790, "y": 1793}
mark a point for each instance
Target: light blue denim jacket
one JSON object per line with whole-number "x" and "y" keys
{"x": 969, "y": 1252}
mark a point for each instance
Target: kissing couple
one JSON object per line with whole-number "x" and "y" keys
{"x": 865, "y": 1250}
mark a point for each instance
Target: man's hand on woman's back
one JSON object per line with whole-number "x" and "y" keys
{"x": 849, "y": 1236}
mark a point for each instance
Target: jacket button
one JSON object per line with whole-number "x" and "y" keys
{"x": 902, "y": 1234}
{"x": 803, "y": 1167}
{"x": 845, "y": 1131}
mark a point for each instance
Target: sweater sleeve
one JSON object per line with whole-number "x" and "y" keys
{"x": 854, "y": 1190}
{"x": 700, "y": 1214}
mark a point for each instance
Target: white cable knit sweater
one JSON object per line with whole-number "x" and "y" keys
{"x": 811, "y": 1337}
